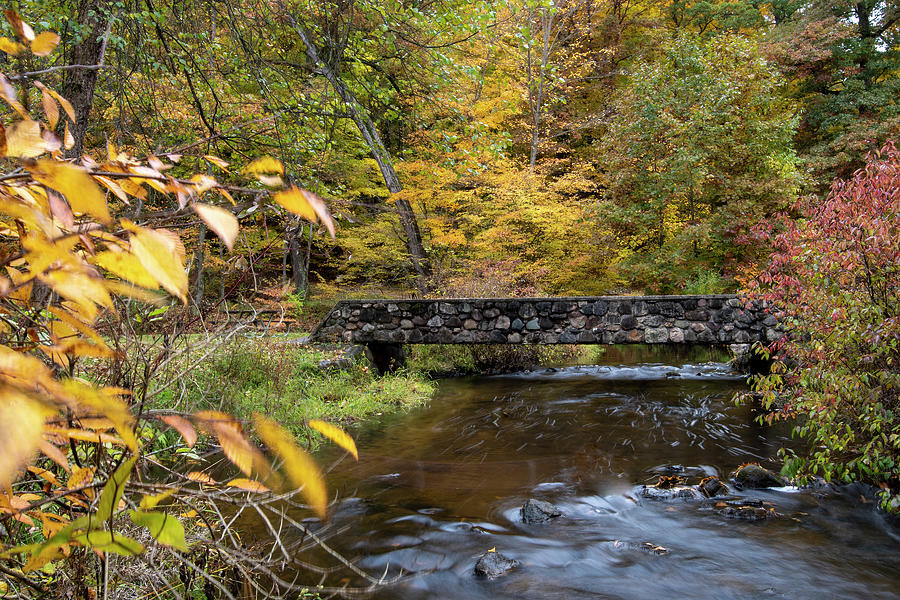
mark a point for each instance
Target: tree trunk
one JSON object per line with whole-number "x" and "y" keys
{"x": 79, "y": 84}
{"x": 199, "y": 266}
{"x": 299, "y": 264}
{"x": 370, "y": 134}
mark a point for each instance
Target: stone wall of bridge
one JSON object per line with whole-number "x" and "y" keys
{"x": 706, "y": 320}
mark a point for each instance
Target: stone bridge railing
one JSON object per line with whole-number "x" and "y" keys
{"x": 708, "y": 320}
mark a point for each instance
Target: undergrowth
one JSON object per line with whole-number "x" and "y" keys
{"x": 283, "y": 380}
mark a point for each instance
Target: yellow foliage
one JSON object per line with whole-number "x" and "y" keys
{"x": 61, "y": 230}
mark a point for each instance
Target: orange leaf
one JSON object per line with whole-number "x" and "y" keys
{"x": 182, "y": 426}
{"x": 19, "y": 26}
{"x": 251, "y": 485}
{"x": 201, "y": 477}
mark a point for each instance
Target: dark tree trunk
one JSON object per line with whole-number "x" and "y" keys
{"x": 299, "y": 262}
{"x": 199, "y": 266}
{"x": 370, "y": 134}
{"x": 79, "y": 84}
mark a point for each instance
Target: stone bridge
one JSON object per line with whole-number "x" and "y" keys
{"x": 385, "y": 325}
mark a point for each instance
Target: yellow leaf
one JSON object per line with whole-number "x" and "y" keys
{"x": 67, "y": 106}
{"x": 44, "y": 43}
{"x": 75, "y": 184}
{"x": 8, "y": 93}
{"x": 80, "y": 476}
{"x": 336, "y": 435}
{"x": 301, "y": 469}
{"x": 201, "y": 477}
{"x": 221, "y": 221}
{"x": 21, "y": 424}
{"x": 148, "y": 502}
{"x": 84, "y": 435}
{"x": 203, "y": 183}
{"x": 251, "y": 485}
{"x": 307, "y": 205}
{"x": 182, "y": 426}
{"x": 23, "y": 284}
{"x": 216, "y": 161}
{"x": 271, "y": 180}
{"x": 266, "y": 164}
{"x": 76, "y": 324}
{"x": 80, "y": 288}
{"x": 225, "y": 194}
{"x": 236, "y": 447}
{"x": 127, "y": 266}
{"x": 114, "y": 187}
{"x": 51, "y": 107}
{"x": 294, "y": 201}
{"x": 23, "y": 139}
{"x": 130, "y": 291}
{"x": 107, "y": 403}
{"x": 10, "y": 47}
{"x": 24, "y": 371}
{"x": 321, "y": 210}
{"x": 45, "y": 475}
{"x": 154, "y": 251}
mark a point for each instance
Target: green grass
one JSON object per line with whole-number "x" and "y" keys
{"x": 283, "y": 381}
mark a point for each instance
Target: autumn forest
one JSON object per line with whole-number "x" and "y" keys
{"x": 188, "y": 186}
{"x": 570, "y": 147}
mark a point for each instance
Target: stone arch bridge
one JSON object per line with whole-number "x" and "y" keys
{"x": 386, "y": 325}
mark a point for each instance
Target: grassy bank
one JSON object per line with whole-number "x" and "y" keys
{"x": 283, "y": 380}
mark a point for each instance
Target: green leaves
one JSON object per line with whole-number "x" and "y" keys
{"x": 165, "y": 528}
{"x": 109, "y": 541}
{"x": 113, "y": 490}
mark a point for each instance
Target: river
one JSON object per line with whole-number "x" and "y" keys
{"x": 436, "y": 488}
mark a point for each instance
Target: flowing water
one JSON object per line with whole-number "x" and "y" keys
{"x": 435, "y": 489}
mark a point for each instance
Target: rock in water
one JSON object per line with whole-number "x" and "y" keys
{"x": 712, "y": 486}
{"x": 754, "y": 476}
{"x": 749, "y": 511}
{"x": 493, "y": 565}
{"x": 538, "y": 511}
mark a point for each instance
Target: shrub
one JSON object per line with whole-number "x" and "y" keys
{"x": 835, "y": 274}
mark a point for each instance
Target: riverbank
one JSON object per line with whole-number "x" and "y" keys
{"x": 283, "y": 380}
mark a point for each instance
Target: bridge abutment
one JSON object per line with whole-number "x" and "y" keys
{"x": 386, "y": 357}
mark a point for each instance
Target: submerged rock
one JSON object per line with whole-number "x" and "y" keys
{"x": 748, "y": 510}
{"x": 669, "y": 488}
{"x": 647, "y": 547}
{"x": 493, "y": 564}
{"x": 713, "y": 486}
{"x": 754, "y": 476}
{"x": 538, "y": 511}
